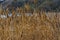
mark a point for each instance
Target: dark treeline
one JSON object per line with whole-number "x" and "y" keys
{"x": 48, "y": 5}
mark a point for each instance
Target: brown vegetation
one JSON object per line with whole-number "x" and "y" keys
{"x": 38, "y": 26}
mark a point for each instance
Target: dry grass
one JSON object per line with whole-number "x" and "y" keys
{"x": 38, "y": 26}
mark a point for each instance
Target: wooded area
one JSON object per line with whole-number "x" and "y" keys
{"x": 48, "y": 5}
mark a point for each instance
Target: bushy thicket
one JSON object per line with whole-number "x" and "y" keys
{"x": 48, "y": 5}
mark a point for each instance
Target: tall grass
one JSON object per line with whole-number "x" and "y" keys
{"x": 36, "y": 26}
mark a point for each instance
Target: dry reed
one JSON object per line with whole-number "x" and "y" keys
{"x": 37, "y": 26}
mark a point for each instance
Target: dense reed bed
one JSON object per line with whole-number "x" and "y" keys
{"x": 19, "y": 25}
